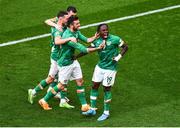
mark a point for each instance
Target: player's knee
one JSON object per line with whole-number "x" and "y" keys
{"x": 60, "y": 86}
{"x": 79, "y": 82}
{"x": 107, "y": 88}
{"x": 96, "y": 85}
{"x": 49, "y": 80}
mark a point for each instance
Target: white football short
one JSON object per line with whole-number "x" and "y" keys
{"x": 53, "y": 68}
{"x": 107, "y": 77}
{"x": 70, "y": 72}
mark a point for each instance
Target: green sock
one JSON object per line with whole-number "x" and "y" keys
{"x": 41, "y": 86}
{"x": 107, "y": 100}
{"x": 53, "y": 84}
{"x": 81, "y": 94}
{"x": 93, "y": 97}
{"x": 51, "y": 93}
{"x": 63, "y": 93}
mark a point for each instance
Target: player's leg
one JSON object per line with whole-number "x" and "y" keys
{"x": 53, "y": 84}
{"x": 97, "y": 79}
{"x": 44, "y": 101}
{"x": 64, "y": 76}
{"x": 80, "y": 89}
{"x": 109, "y": 78}
{"x": 107, "y": 100}
{"x": 52, "y": 72}
{"x": 93, "y": 99}
{"x": 63, "y": 102}
{"x": 38, "y": 88}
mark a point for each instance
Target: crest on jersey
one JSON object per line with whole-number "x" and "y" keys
{"x": 108, "y": 43}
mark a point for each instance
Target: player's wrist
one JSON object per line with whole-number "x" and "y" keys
{"x": 117, "y": 58}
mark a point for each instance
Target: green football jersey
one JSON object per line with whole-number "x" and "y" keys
{"x": 68, "y": 49}
{"x": 55, "y": 50}
{"x": 110, "y": 50}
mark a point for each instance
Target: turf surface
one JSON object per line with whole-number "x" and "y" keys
{"x": 146, "y": 92}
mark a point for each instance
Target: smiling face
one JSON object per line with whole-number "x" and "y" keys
{"x": 103, "y": 31}
{"x": 76, "y": 25}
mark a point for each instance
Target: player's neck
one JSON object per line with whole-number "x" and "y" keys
{"x": 71, "y": 29}
{"x": 60, "y": 23}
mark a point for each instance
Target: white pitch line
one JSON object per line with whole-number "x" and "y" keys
{"x": 94, "y": 24}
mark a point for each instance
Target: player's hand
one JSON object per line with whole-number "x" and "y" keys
{"x": 58, "y": 27}
{"x": 117, "y": 58}
{"x": 73, "y": 39}
{"x": 97, "y": 34}
{"x": 101, "y": 46}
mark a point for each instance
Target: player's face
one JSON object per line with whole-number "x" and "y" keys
{"x": 71, "y": 13}
{"x": 104, "y": 32}
{"x": 76, "y": 25}
{"x": 65, "y": 19}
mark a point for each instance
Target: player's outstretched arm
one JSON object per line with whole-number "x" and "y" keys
{"x": 59, "y": 40}
{"x": 124, "y": 49}
{"x": 101, "y": 46}
{"x": 81, "y": 54}
{"x": 51, "y": 22}
{"x": 91, "y": 39}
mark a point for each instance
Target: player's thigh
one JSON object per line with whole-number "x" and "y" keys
{"x": 64, "y": 74}
{"x": 98, "y": 74}
{"x": 109, "y": 78}
{"x": 53, "y": 69}
{"x": 77, "y": 71}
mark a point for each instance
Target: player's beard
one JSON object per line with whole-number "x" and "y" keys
{"x": 75, "y": 29}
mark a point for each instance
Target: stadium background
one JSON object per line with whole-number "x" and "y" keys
{"x": 146, "y": 91}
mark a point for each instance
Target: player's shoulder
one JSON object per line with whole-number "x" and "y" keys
{"x": 67, "y": 33}
{"x": 114, "y": 38}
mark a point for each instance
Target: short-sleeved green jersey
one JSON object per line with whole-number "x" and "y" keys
{"x": 68, "y": 49}
{"x": 110, "y": 50}
{"x": 55, "y": 48}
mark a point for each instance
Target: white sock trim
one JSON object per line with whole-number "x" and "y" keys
{"x": 106, "y": 112}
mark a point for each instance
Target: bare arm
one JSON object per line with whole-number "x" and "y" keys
{"x": 124, "y": 48}
{"x": 91, "y": 39}
{"x": 81, "y": 54}
{"x": 51, "y": 22}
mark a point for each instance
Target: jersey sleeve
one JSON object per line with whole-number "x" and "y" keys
{"x": 82, "y": 37}
{"x": 117, "y": 40}
{"x": 57, "y": 34}
{"x": 78, "y": 46}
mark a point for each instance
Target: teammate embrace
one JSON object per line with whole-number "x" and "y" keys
{"x": 64, "y": 66}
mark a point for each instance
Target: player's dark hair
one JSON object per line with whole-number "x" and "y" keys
{"x": 99, "y": 26}
{"x": 71, "y": 8}
{"x": 61, "y": 14}
{"x": 71, "y": 20}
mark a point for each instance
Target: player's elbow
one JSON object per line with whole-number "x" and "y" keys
{"x": 46, "y": 21}
{"x": 125, "y": 47}
{"x": 85, "y": 50}
{"x": 89, "y": 40}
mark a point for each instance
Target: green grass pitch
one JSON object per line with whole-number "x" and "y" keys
{"x": 147, "y": 87}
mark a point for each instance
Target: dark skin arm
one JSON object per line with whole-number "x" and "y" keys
{"x": 124, "y": 49}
